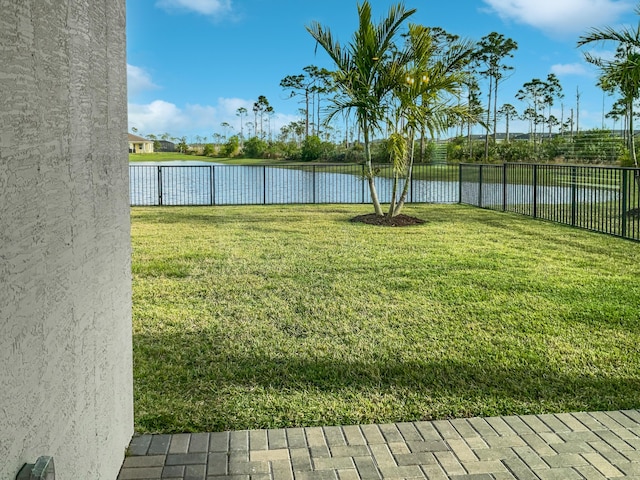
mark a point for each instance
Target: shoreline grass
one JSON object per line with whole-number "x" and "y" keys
{"x": 164, "y": 157}
{"x": 280, "y": 316}
{"x": 177, "y": 156}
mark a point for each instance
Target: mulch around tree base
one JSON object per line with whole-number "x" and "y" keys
{"x": 384, "y": 221}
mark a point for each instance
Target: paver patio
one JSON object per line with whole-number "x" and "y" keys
{"x": 594, "y": 445}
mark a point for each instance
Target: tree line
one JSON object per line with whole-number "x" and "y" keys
{"x": 416, "y": 82}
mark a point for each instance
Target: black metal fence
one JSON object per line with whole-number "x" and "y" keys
{"x": 281, "y": 184}
{"x": 602, "y": 199}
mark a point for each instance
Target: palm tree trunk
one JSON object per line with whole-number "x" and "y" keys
{"x": 306, "y": 110}
{"x": 632, "y": 145}
{"x": 407, "y": 181}
{"x": 486, "y": 135}
{"x": 394, "y": 191}
{"x": 632, "y": 142}
{"x": 495, "y": 110}
{"x": 507, "y": 128}
{"x": 369, "y": 172}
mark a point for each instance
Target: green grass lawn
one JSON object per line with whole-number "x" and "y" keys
{"x": 277, "y": 316}
{"x": 252, "y": 161}
{"x": 164, "y": 157}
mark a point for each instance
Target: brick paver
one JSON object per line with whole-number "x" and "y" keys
{"x": 581, "y": 446}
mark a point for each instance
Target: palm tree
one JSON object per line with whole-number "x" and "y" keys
{"x": 491, "y": 51}
{"x": 361, "y": 77}
{"x": 621, "y": 73}
{"x": 241, "y": 112}
{"x": 508, "y": 111}
{"x": 427, "y": 98}
{"x": 534, "y": 93}
{"x": 225, "y": 129}
{"x": 624, "y": 74}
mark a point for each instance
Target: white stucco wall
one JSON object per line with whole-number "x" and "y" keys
{"x": 65, "y": 284}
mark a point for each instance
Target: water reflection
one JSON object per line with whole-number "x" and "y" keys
{"x": 203, "y": 183}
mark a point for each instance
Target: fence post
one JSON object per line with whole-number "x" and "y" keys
{"x": 574, "y": 195}
{"x": 159, "y": 185}
{"x": 363, "y": 182}
{"x": 535, "y": 190}
{"x": 313, "y": 179}
{"x": 264, "y": 184}
{"x": 411, "y": 185}
{"x": 459, "y": 183}
{"x": 504, "y": 187}
{"x": 480, "y": 187}
{"x": 213, "y": 184}
{"x": 625, "y": 200}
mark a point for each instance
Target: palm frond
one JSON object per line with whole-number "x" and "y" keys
{"x": 398, "y": 152}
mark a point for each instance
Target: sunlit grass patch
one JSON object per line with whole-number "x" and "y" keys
{"x": 274, "y": 316}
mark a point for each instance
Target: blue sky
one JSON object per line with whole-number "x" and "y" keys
{"x": 193, "y": 63}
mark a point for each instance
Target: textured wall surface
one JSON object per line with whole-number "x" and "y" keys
{"x": 65, "y": 284}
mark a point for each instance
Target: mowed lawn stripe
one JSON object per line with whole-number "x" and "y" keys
{"x": 279, "y": 316}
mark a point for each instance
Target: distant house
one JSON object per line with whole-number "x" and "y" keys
{"x": 166, "y": 146}
{"x": 139, "y": 144}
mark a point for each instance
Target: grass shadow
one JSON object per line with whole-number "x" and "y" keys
{"x": 279, "y": 386}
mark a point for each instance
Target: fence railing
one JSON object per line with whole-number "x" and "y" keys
{"x": 602, "y": 199}
{"x": 281, "y": 184}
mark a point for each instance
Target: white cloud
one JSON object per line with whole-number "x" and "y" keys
{"x": 563, "y": 69}
{"x": 607, "y": 55}
{"x": 161, "y": 116}
{"x": 229, "y": 106}
{"x": 561, "y": 17}
{"x": 203, "y": 7}
{"x": 138, "y": 80}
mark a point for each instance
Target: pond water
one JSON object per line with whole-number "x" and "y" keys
{"x": 205, "y": 183}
